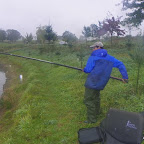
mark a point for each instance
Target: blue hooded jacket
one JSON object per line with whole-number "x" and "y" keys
{"x": 100, "y": 65}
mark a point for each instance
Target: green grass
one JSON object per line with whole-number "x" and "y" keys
{"x": 47, "y": 107}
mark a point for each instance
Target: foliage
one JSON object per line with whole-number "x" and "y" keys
{"x": 109, "y": 25}
{"x": 81, "y": 38}
{"x": 112, "y": 26}
{"x": 28, "y": 38}
{"x": 41, "y": 34}
{"x": 13, "y": 35}
{"x": 50, "y": 35}
{"x": 136, "y": 15}
{"x": 94, "y": 29}
{"x": 86, "y": 31}
{"x": 69, "y": 37}
{"x": 101, "y": 30}
{"x": 81, "y": 54}
{"x": 137, "y": 55}
{"x": 2, "y": 35}
{"x": 129, "y": 43}
{"x": 138, "y": 58}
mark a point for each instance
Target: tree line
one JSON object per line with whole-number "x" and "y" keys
{"x": 109, "y": 26}
{"x": 43, "y": 34}
{"x": 10, "y": 34}
{"x": 46, "y": 33}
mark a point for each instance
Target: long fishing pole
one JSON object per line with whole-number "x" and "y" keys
{"x": 52, "y": 63}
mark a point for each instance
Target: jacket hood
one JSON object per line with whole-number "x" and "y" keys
{"x": 99, "y": 53}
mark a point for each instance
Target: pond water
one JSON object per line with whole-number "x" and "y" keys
{"x": 2, "y": 82}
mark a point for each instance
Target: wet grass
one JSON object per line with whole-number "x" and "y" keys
{"x": 47, "y": 107}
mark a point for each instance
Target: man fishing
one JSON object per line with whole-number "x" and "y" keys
{"x": 99, "y": 66}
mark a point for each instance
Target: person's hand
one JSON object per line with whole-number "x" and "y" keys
{"x": 125, "y": 80}
{"x": 82, "y": 70}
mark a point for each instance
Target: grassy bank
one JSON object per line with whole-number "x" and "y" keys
{"x": 47, "y": 107}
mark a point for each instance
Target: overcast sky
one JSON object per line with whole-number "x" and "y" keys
{"x": 71, "y": 15}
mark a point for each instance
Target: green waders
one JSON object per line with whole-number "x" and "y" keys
{"x": 92, "y": 102}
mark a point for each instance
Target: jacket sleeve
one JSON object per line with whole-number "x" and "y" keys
{"x": 118, "y": 64}
{"x": 90, "y": 65}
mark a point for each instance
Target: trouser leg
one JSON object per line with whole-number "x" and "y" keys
{"x": 92, "y": 102}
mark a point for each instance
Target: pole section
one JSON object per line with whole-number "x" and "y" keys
{"x": 51, "y": 63}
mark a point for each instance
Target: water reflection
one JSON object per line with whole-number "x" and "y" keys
{"x": 2, "y": 81}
